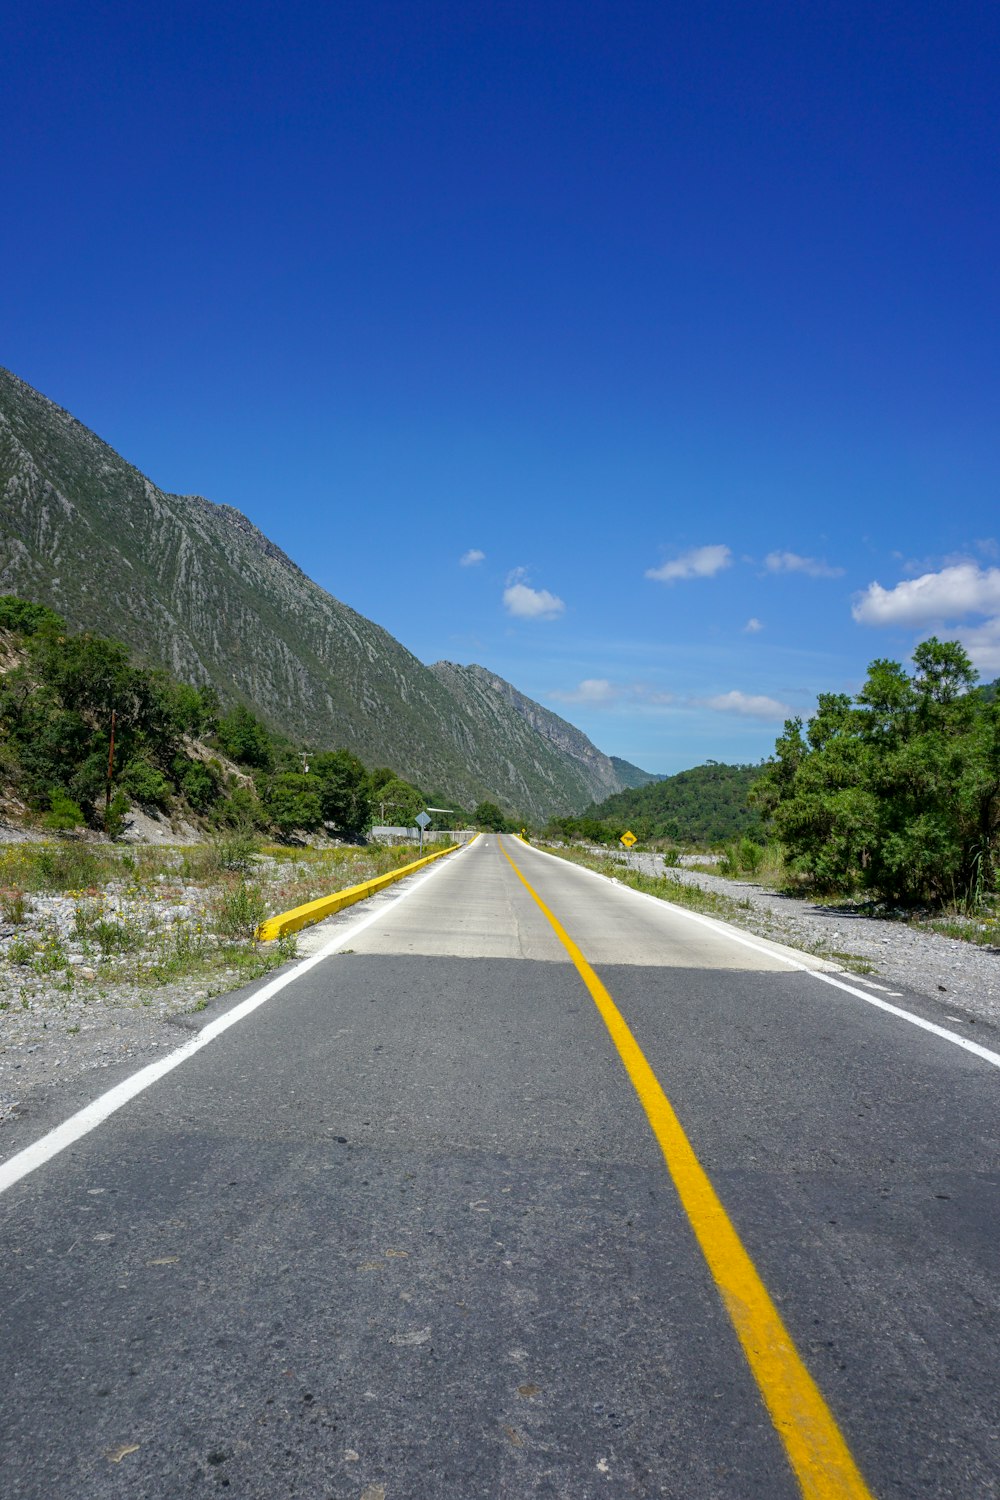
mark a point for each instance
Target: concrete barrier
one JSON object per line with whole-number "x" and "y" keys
{"x": 315, "y": 911}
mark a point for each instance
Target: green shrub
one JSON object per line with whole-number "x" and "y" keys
{"x": 750, "y": 856}
{"x": 240, "y": 910}
{"x": 117, "y": 937}
{"x": 236, "y": 852}
{"x": 293, "y": 802}
{"x": 197, "y": 781}
{"x": 145, "y": 784}
{"x": 21, "y": 952}
{"x": 240, "y": 808}
{"x": 63, "y": 813}
{"x": 26, "y": 618}
{"x": 116, "y": 816}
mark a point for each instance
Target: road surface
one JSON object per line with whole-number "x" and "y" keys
{"x": 535, "y": 1187}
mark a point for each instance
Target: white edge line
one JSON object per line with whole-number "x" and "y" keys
{"x": 99, "y": 1109}
{"x": 726, "y": 930}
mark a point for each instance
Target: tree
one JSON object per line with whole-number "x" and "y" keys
{"x": 344, "y": 790}
{"x": 292, "y": 802}
{"x": 397, "y": 803}
{"x": 488, "y": 816}
{"x": 244, "y": 738}
{"x": 897, "y": 793}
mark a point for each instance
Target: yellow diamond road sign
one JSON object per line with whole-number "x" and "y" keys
{"x": 628, "y": 838}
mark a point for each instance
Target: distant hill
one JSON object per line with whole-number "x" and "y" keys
{"x": 705, "y": 805}
{"x": 195, "y": 588}
{"x": 631, "y": 776}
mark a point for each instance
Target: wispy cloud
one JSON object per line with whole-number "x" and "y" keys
{"x": 750, "y": 705}
{"x": 590, "y": 690}
{"x": 792, "y": 562}
{"x": 601, "y": 690}
{"x": 470, "y": 558}
{"x": 951, "y": 594}
{"x": 752, "y": 626}
{"x": 699, "y": 562}
{"x": 526, "y": 603}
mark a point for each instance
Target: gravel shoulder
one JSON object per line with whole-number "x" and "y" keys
{"x": 78, "y": 1019}
{"x": 97, "y": 980}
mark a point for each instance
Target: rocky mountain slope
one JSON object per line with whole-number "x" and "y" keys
{"x": 196, "y": 588}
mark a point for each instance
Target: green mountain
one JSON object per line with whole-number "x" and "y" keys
{"x": 631, "y": 776}
{"x": 195, "y": 587}
{"x": 706, "y": 805}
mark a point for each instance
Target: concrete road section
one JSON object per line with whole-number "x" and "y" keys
{"x": 421, "y": 1225}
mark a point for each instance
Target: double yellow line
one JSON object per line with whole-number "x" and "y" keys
{"x": 817, "y": 1452}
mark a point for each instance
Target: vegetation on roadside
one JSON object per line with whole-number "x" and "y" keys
{"x": 894, "y": 794}
{"x": 176, "y": 750}
{"x": 155, "y": 915}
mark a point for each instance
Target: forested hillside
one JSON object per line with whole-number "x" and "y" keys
{"x": 705, "y": 805}
{"x": 177, "y": 751}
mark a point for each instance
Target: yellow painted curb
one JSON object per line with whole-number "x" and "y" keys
{"x": 315, "y": 911}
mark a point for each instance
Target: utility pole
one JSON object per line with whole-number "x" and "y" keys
{"x": 111, "y": 771}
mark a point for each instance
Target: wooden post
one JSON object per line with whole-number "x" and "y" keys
{"x": 111, "y": 769}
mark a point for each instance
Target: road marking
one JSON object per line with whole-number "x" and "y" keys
{"x": 95, "y": 1113}
{"x": 818, "y": 1454}
{"x": 774, "y": 951}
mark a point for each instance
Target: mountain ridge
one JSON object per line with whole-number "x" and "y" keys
{"x": 197, "y": 588}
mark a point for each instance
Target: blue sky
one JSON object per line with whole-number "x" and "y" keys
{"x": 646, "y": 354}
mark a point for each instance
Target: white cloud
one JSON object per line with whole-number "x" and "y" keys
{"x": 600, "y": 690}
{"x": 752, "y": 626}
{"x": 590, "y": 690}
{"x": 954, "y": 592}
{"x": 526, "y": 603}
{"x": 470, "y": 558}
{"x": 750, "y": 705}
{"x": 791, "y": 562}
{"x": 699, "y": 562}
{"x": 983, "y": 645}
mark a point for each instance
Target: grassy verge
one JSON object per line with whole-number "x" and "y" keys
{"x": 96, "y": 919}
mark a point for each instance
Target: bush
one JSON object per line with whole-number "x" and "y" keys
{"x": 145, "y": 785}
{"x": 117, "y": 937}
{"x": 236, "y": 852}
{"x": 198, "y": 782}
{"x": 293, "y": 802}
{"x": 13, "y": 906}
{"x": 245, "y": 739}
{"x": 488, "y": 816}
{"x": 63, "y": 813}
{"x": 240, "y": 808}
{"x": 240, "y": 910}
{"x": 117, "y": 815}
{"x": 26, "y": 618}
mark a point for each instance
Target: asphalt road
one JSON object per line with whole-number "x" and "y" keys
{"x": 406, "y": 1230}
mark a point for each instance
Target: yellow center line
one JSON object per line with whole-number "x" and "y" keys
{"x": 816, "y": 1450}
